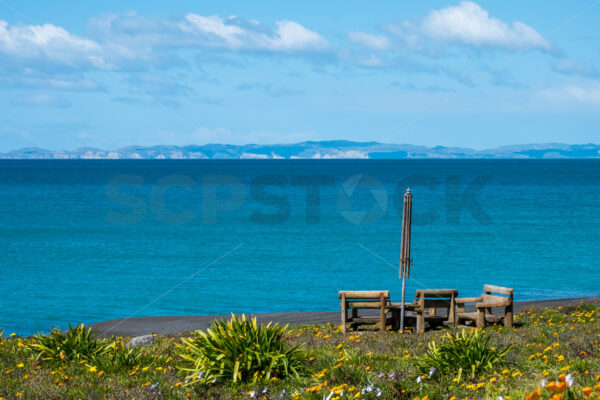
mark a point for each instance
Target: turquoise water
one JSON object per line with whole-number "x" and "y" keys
{"x": 85, "y": 241}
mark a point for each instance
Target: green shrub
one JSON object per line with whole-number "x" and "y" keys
{"x": 77, "y": 343}
{"x": 118, "y": 357}
{"x": 463, "y": 353}
{"x": 239, "y": 350}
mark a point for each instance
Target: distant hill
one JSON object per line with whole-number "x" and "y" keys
{"x": 313, "y": 150}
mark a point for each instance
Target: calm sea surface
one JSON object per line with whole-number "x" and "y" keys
{"x": 85, "y": 241}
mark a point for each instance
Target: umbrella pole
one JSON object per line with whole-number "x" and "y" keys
{"x": 402, "y": 305}
{"x": 405, "y": 251}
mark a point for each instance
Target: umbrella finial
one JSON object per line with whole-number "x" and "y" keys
{"x": 407, "y": 190}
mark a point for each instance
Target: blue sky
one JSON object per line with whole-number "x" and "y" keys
{"x": 476, "y": 74}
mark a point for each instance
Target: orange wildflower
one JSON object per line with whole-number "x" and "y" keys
{"x": 557, "y": 386}
{"x": 535, "y": 395}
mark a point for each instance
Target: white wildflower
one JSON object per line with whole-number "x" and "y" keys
{"x": 569, "y": 379}
{"x": 367, "y": 389}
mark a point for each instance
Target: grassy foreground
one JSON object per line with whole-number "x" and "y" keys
{"x": 552, "y": 353}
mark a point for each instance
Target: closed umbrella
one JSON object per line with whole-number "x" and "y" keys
{"x": 405, "y": 261}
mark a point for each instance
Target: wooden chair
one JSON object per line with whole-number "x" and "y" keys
{"x": 367, "y": 300}
{"x": 426, "y": 304}
{"x": 493, "y": 296}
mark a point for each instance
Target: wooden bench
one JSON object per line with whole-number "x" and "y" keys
{"x": 368, "y": 300}
{"x": 493, "y": 296}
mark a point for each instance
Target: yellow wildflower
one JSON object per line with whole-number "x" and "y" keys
{"x": 313, "y": 389}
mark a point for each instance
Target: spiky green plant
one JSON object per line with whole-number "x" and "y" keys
{"x": 239, "y": 350}
{"x": 77, "y": 343}
{"x": 463, "y": 353}
{"x": 117, "y": 356}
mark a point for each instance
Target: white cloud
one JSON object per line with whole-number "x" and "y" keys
{"x": 470, "y": 24}
{"x": 238, "y": 34}
{"x": 374, "y": 42}
{"x": 49, "y": 56}
{"x": 214, "y": 27}
{"x": 233, "y": 33}
{"x": 50, "y": 43}
{"x": 291, "y": 36}
{"x": 466, "y": 24}
{"x": 128, "y": 41}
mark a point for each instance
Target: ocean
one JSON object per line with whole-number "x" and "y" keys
{"x": 91, "y": 240}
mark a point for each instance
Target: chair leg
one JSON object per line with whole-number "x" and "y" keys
{"x": 395, "y": 320}
{"x": 508, "y": 316}
{"x": 452, "y": 312}
{"x": 480, "y": 318}
{"x": 421, "y": 321}
{"x": 344, "y": 312}
{"x": 382, "y": 313}
{"x": 421, "y": 314}
{"x": 460, "y": 308}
